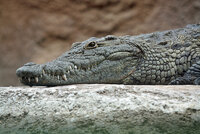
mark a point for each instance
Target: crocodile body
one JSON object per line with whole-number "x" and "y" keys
{"x": 168, "y": 57}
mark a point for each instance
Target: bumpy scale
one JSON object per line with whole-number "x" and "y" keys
{"x": 169, "y": 57}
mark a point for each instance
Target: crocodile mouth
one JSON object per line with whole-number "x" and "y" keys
{"x": 39, "y": 79}
{"x": 42, "y": 75}
{"x": 45, "y": 76}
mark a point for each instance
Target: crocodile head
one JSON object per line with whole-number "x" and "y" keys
{"x": 108, "y": 59}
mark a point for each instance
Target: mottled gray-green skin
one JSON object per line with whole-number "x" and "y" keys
{"x": 169, "y": 57}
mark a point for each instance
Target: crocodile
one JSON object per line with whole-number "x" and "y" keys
{"x": 158, "y": 58}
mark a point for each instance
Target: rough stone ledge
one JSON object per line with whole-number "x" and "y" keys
{"x": 104, "y": 108}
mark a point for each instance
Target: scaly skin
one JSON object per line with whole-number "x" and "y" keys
{"x": 169, "y": 57}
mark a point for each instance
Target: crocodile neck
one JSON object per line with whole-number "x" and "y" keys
{"x": 160, "y": 65}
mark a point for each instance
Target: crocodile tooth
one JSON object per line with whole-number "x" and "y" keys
{"x": 70, "y": 67}
{"x": 75, "y": 67}
{"x": 36, "y": 79}
{"x": 64, "y": 77}
{"x": 43, "y": 72}
{"x": 68, "y": 71}
{"x": 41, "y": 75}
{"x": 29, "y": 79}
{"x": 58, "y": 77}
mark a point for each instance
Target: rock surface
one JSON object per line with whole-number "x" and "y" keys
{"x": 100, "y": 109}
{"x": 40, "y": 30}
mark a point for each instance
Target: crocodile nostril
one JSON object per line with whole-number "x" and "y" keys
{"x": 29, "y": 64}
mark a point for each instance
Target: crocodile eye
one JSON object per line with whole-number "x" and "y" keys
{"x": 91, "y": 45}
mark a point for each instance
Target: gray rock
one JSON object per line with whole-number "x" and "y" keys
{"x": 100, "y": 109}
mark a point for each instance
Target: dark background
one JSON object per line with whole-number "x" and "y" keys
{"x": 40, "y": 30}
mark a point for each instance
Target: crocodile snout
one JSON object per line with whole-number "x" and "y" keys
{"x": 29, "y": 73}
{"x": 27, "y": 69}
